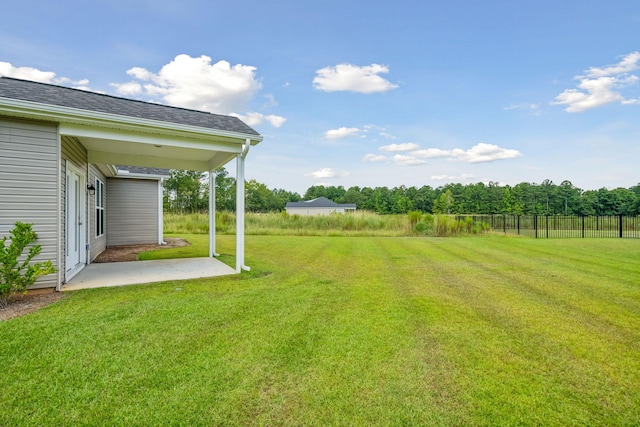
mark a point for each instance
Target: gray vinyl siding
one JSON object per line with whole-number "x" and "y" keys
{"x": 132, "y": 211}
{"x": 96, "y": 244}
{"x": 28, "y": 185}
{"x": 74, "y": 152}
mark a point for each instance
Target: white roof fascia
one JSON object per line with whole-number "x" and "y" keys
{"x": 112, "y": 169}
{"x": 140, "y": 176}
{"x": 94, "y": 118}
{"x": 134, "y": 135}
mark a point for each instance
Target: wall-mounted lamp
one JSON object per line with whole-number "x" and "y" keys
{"x": 91, "y": 189}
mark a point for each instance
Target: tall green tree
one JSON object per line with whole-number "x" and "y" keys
{"x": 443, "y": 204}
{"x": 184, "y": 191}
{"x": 225, "y": 191}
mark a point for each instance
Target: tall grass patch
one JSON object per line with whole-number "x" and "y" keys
{"x": 361, "y": 223}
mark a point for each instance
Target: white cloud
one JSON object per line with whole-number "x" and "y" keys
{"x": 407, "y": 146}
{"x": 626, "y": 65}
{"x": 532, "y": 108}
{"x": 348, "y": 77}
{"x": 463, "y": 177}
{"x": 381, "y": 130}
{"x": 374, "y": 158}
{"x": 271, "y": 101}
{"x": 431, "y": 153}
{"x": 591, "y": 93}
{"x": 484, "y": 153}
{"x": 343, "y": 132}
{"x": 197, "y": 83}
{"x": 254, "y": 119}
{"x": 27, "y": 73}
{"x": 33, "y": 74}
{"x": 387, "y": 135}
{"x": 477, "y": 154}
{"x": 413, "y": 156}
{"x": 322, "y": 173}
{"x": 404, "y": 160}
{"x": 601, "y": 86}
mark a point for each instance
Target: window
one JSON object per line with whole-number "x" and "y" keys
{"x": 99, "y": 208}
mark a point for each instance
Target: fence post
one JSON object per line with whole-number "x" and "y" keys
{"x": 518, "y": 225}
{"x": 621, "y": 226}
{"x": 583, "y": 226}
{"x": 535, "y": 224}
{"x": 547, "y": 224}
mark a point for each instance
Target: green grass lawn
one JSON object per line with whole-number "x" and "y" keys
{"x": 345, "y": 331}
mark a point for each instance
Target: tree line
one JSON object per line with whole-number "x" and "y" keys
{"x": 188, "y": 191}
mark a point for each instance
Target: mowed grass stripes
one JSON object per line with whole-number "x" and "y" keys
{"x": 345, "y": 331}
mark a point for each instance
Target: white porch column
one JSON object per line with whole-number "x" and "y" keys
{"x": 240, "y": 208}
{"x": 212, "y": 215}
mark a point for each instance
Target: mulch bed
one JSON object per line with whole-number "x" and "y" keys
{"x": 130, "y": 252}
{"x": 21, "y": 304}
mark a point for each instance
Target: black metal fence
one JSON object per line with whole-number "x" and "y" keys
{"x": 559, "y": 226}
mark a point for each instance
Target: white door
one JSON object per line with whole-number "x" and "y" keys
{"x": 74, "y": 221}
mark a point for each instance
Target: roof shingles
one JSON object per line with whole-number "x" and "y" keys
{"x": 91, "y": 101}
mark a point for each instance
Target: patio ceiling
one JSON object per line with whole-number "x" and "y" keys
{"x": 192, "y": 152}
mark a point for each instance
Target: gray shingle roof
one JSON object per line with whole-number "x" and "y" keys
{"x": 145, "y": 171}
{"x": 320, "y": 202}
{"x": 75, "y": 98}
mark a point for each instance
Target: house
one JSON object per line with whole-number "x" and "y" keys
{"x": 58, "y": 148}
{"x": 319, "y": 206}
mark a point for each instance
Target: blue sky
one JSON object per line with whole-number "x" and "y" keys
{"x": 367, "y": 93}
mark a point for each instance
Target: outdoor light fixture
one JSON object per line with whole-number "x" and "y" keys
{"x": 91, "y": 189}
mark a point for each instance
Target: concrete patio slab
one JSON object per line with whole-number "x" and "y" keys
{"x": 138, "y": 272}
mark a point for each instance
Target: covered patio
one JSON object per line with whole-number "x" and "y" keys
{"x": 99, "y": 275}
{"x": 187, "y": 147}
{"x": 63, "y": 145}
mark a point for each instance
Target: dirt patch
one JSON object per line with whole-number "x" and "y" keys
{"x": 130, "y": 252}
{"x": 21, "y": 304}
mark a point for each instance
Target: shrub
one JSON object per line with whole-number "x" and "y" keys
{"x": 12, "y": 277}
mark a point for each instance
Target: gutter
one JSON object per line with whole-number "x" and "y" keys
{"x": 126, "y": 174}
{"x": 29, "y": 109}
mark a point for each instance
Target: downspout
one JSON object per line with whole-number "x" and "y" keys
{"x": 240, "y": 208}
{"x": 212, "y": 215}
{"x": 160, "y": 214}
{"x": 59, "y": 245}
{"x": 88, "y": 216}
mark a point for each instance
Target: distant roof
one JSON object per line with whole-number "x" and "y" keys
{"x": 43, "y": 93}
{"x": 144, "y": 171}
{"x": 320, "y": 202}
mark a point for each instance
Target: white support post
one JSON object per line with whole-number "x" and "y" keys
{"x": 212, "y": 215}
{"x": 240, "y": 208}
